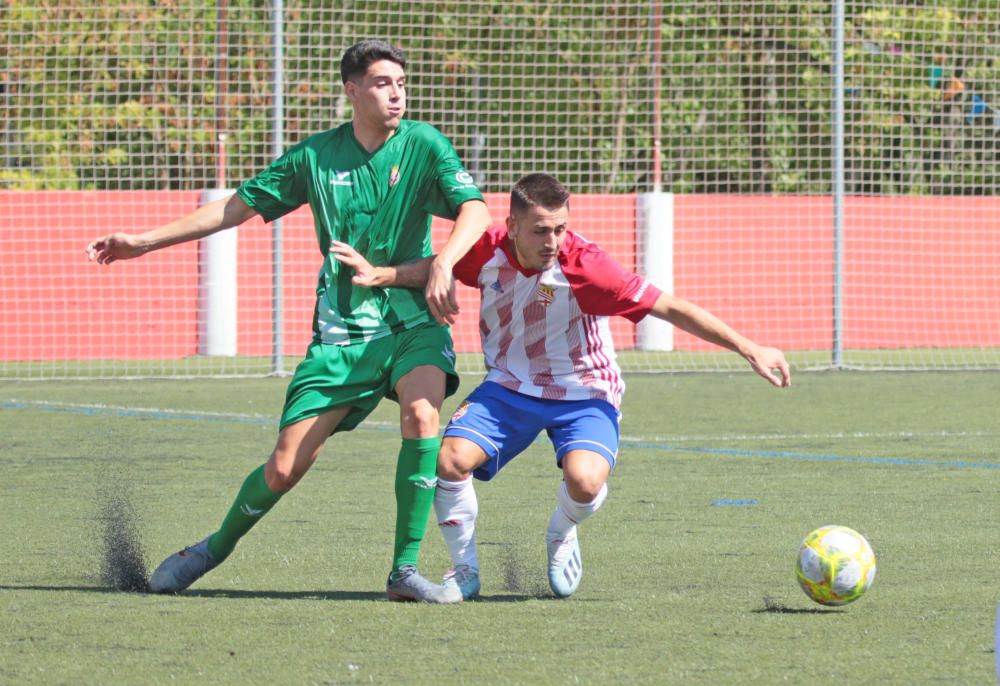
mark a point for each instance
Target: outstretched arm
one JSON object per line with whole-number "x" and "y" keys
{"x": 705, "y": 325}
{"x": 406, "y": 275}
{"x": 222, "y": 214}
{"x": 473, "y": 219}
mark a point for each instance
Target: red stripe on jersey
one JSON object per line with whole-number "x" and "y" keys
{"x": 546, "y": 333}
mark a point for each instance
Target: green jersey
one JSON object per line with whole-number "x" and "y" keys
{"x": 379, "y": 203}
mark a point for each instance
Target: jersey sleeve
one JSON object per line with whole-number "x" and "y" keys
{"x": 450, "y": 184}
{"x": 603, "y": 287}
{"x": 280, "y": 188}
{"x": 467, "y": 269}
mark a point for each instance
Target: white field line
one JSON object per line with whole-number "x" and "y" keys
{"x": 679, "y": 438}
{"x": 161, "y": 411}
{"x": 832, "y": 435}
{"x": 101, "y": 407}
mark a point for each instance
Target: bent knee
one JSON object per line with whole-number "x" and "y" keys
{"x": 584, "y": 488}
{"x": 420, "y": 419}
{"x": 456, "y": 461}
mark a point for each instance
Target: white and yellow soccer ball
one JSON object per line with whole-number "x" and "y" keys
{"x": 835, "y": 565}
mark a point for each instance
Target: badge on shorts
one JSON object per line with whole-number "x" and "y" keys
{"x": 460, "y": 411}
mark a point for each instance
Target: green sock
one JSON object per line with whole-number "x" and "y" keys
{"x": 252, "y": 502}
{"x": 416, "y": 477}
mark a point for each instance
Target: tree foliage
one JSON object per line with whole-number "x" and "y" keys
{"x": 124, "y": 95}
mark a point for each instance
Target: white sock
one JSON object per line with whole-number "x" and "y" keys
{"x": 569, "y": 513}
{"x": 456, "y": 507}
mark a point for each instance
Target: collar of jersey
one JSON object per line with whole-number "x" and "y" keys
{"x": 363, "y": 150}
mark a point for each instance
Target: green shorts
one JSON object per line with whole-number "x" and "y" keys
{"x": 360, "y": 375}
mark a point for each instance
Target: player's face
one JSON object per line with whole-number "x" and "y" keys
{"x": 379, "y": 97}
{"x": 537, "y": 235}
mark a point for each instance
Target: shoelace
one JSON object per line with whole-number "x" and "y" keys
{"x": 403, "y": 572}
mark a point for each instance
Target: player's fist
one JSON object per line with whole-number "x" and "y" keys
{"x": 115, "y": 246}
{"x": 440, "y": 293}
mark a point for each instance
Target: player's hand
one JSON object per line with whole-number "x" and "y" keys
{"x": 115, "y": 246}
{"x": 770, "y": 363}
{"x": 440, "y": 293}
{"x": 364, "y": 273}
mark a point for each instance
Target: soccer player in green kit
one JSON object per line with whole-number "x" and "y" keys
{"x": 371, "y": 183}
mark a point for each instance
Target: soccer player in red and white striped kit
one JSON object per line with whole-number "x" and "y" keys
{"x": 547, "y": 294}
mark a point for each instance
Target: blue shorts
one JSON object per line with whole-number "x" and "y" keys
{"x": 503, "y": 423}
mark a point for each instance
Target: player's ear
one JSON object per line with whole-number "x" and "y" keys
{"x": 351, "y": 88}
{"x": 511, "y": 225}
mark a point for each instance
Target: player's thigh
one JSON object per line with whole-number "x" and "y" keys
{"x": 422, "y": 368}
{"x": 589, "y": 426}
{"x": 334, "y": 376}
{"x": 501, "y": 422}
{"x": 421, "y": 393}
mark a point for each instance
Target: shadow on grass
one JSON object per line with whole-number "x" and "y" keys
{"x": 272, "y": 595}
{"x": 215, "y": 593}
{"x": 775, "y": 608}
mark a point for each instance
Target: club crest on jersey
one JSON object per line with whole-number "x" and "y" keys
{"x": 546, "y": 294}
{"x": 394, "y": 176}
{"x": 497, "y": 286}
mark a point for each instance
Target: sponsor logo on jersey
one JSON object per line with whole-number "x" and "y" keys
{"x": 394, "y": 176}
{"x": 639, "y": 293}
{"x": 341, "y": 178}
{"x": 546, "y": 294}
{"x": 460, "y": 412}
{"x": 465, "y": 180}
{"x": 497, "y": 286}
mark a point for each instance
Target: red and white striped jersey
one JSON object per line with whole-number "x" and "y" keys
{"x": 546, "y": 334}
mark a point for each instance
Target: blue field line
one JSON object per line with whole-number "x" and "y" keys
{"x": 268, "y": 421}
{"x": 905, "y": 461}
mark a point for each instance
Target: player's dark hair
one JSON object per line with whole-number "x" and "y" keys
{"x": 362, "y": 55}
{"x": 538, "y": 189}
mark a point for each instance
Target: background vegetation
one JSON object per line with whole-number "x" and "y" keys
{"x": 126, "y": 95}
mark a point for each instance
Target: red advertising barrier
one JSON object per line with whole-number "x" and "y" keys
{"x": 56, "y": 305}
{"x": 918, "y": 272}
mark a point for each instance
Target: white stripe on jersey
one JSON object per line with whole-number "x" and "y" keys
{"x": 538, "y": 341}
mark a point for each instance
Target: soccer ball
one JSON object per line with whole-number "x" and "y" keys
{"x": 835, "y": 565}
